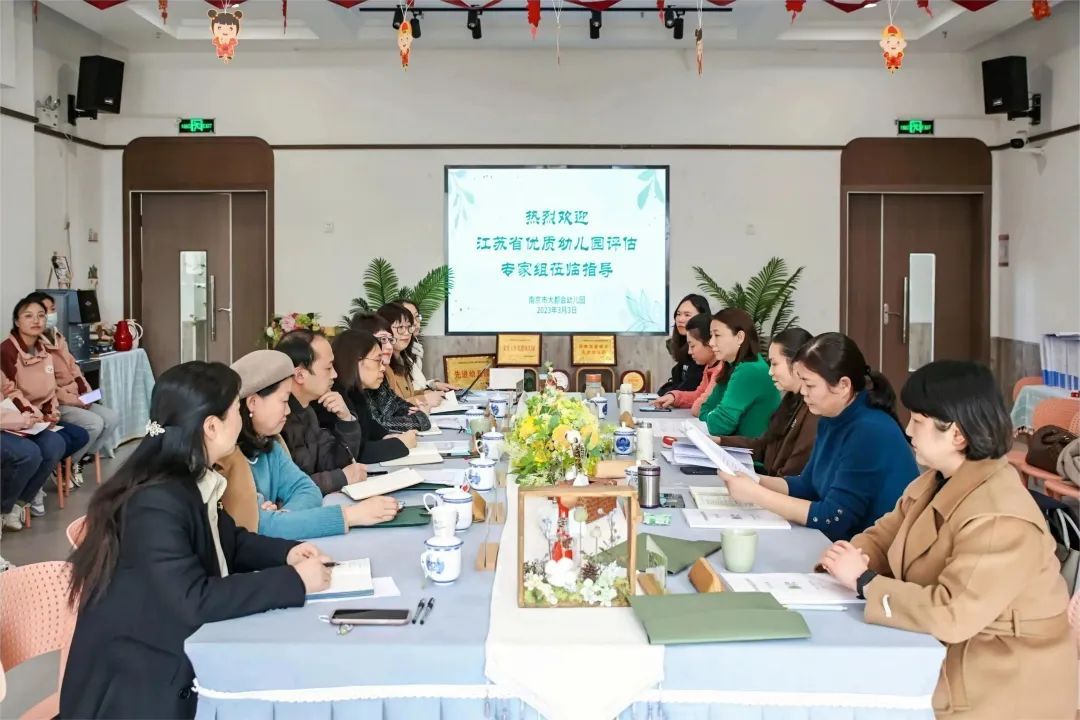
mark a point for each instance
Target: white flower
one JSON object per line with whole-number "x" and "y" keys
{"x": 561, "y": 573}
{"x": 534, "y": 582}
{"x": 270, "y": 332}
{"x": 610, "y": 573}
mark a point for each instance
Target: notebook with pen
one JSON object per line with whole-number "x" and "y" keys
{"x": 349, "y": 579}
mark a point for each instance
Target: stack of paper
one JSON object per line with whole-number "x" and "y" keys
{"x": 449, "y": 404}
{"x": 382, "y": 484}
{"x": 417, "y": 456}
{"x": 645, "y": 397}
{"x": 674, "y": 427}
{"x": 742, "y": 518}
{"x": 349, "y": 579}
{"x": 449, "y": 448}
{"x": 716, "y": 498}
{"x": 449, "y": 478}
{"x": 722, "y": 459}
{"x": 449, "y": 422}
{"x": 795, "y": 590}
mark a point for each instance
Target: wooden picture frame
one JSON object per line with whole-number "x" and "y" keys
{"x": 519, "y": 350}
{"x": 593, "y": 350}
{"x": 460, "y": 370}
{"x": 606, "y": 507}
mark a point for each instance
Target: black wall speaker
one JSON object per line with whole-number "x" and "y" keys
{"x": 1005, "y": 87}
{"x": 101, "y": 81}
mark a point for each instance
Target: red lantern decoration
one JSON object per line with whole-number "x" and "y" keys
{"x": 974, "y": 5}
{"x": 721, "y": 3}
{"x": 599, "y": 5}
{"x": 104, "y": 4}
{"x": 1040, "y": 9}
{"x": 224, "y": 5}
{"x": 470, "y": 6}
{"x": 850, "y": 5}
{"x": 347, "y": 4}
{"x": 794, "y": 7}
{"x": 532, "y": 8}
{"x": 925, "y": 5}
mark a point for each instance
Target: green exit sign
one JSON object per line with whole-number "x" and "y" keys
{"x": 196, "y": 126}
{"x": 914, "y": 127}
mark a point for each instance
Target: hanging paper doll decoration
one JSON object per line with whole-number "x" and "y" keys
{"x": 225, "y": 26}
{"x": 1040, "y": 9}
{"x": 699, "y": 49}
{"x": 892, "y": 44}
{"x": 404, "y": 43}
{"x": 794, "y": 7}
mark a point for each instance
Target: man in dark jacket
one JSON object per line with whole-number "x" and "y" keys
{"x": 325, "y": 445}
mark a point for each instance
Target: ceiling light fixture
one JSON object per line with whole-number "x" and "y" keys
{"x": 678, "y": 25}
{"x": 416, "y": 15}
{"x": 596, "y": 21}
{"x": 473, "y": 23}
{"x": 399, "y": 17}
{"x": 669, "y": 18}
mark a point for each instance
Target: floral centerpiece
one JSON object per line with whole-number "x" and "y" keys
{"x": 282, "y": 324}
{"x": 557, "y": 583}
{"x": 542, "y": 443}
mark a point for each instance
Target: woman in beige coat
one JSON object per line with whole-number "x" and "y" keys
{"x": 966, "y": 556}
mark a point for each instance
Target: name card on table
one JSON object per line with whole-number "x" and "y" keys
{"x": 592, "y": 350}
{"x": 461, "y": 370}
{"x": 522, "y": 350}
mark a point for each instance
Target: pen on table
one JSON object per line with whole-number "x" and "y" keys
{"x": 427, "y": 614}
{"x": 419, "y": 609}
{"x": 331, "y": 563}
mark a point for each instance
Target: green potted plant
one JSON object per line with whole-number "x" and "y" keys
{"x": 381, "y": 287}
{"x": 768, "y": 296}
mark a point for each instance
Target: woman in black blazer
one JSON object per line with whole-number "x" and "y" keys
{"x": 160, "y": 558}
{"x": 686, "y": 374}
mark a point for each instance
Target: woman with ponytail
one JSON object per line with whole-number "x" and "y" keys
{"x": 861, "y": 461}
{"x": 160, "y": 558}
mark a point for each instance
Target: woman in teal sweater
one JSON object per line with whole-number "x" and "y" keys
{"x": 289, "y": 502}
{"x": 744, "y": 397}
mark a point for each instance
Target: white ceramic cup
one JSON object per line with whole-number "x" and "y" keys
{"x": 600, "y": 406}
{"x": 441, "y": 559}
{"x": 456, "y": 498}
{"x": 499, "y": 405}
{"x": 443, "y": 518}
{"x": 624, "y": 441}
{"x": 494, "y": 445}
{"x": 481, "y": 473}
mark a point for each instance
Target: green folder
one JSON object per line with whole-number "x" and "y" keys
{"x": 407, "y": 517}
{"x": 423, "y": 486}
{"x": 716, "y": 617}
{"x": 681, "y": 554}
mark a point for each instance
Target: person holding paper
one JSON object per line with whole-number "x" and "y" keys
{"x": 966, "y": 556}
{"x": 786, "y": 445}
{"x": 686, "y": 374}
{"x": 265, "y": 487}
{"x": 97, "y": 419}
{"x": 416, "y": 349}
{"x": 697, "y": 342}
{"x": 159, "y": 558}
{"x": 387, "y": 408}
{"x": 861, "y": 460}
{"x": 744, "y": 397}
{"x": 325, "y": 445}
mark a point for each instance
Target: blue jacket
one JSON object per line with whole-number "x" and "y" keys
{"x": 859, "y": 467}
{"x": 300, "y": 514}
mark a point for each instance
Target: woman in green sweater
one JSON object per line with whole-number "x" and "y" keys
{"x": 744, "y": 397}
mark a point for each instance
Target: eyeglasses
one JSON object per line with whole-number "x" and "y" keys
{"x": 401, "y": 329}
{"x": 376, "y": 360}
{"x": 385, "y": 338}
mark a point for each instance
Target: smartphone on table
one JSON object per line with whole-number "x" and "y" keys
{"x": 369, "y": 616}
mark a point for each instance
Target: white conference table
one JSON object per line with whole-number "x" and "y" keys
{"x": 289, "y": 664}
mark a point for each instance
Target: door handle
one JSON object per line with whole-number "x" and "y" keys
{"x": 211, "y": 316}
{"x": 885, "y": 313}
{"x": 907, "y": 304}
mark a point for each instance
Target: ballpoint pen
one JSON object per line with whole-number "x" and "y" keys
{"x": 419, "y": 609}
{"x": 430, "y": 607}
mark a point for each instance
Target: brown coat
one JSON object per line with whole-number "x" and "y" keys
{"x": 32, "y": 373}
{"x": 787, "y": 455}
{"x": 974, "y": 566}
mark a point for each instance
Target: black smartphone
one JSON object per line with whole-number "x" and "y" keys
{"x": 652, "y": 409}
{"x": 372, "y": 616}
{"x": 697, "y": 470}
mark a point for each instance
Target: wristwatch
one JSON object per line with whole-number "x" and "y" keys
{"x": 863, "y": 581}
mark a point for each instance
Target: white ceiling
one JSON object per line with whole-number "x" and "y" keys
{"x": 751, "y": 24}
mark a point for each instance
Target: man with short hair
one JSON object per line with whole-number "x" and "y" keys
{"x": 321, "y": 432}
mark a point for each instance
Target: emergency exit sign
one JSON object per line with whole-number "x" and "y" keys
{"x": 914, "y": 127}
{"x": 196, "y": 126}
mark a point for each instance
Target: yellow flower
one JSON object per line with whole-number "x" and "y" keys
{"x": 590, "y": 435}
{"x": 559, "y": 435}
{"x": 527, "y": 427}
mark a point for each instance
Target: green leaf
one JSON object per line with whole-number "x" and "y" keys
{"x": 768, "y": 295}
{"x": 646, "y": 174}
{"x": 380, "y": 282}
{"x": 431, "y": 291}
{"x": 643, "y": 196}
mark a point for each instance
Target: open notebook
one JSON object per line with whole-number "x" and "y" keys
{"x": 383, "y": 484}
{"x": 349, "y": 579}
{"x": 417, "y": 456}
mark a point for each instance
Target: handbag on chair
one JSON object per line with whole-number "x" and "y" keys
{"x": 1066, "y": 534}
{"x": 1045, "y": 445}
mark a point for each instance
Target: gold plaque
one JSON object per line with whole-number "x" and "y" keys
{"x": 592, "y": 350}
{"x": 518, "y": 350}
{"x": 461, "y": 370}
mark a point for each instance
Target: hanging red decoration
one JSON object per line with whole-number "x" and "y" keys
{"x": 35, "y": 9}
{"x": 533, "y": 14}
{"x": 925, "y": 5}
{"x": 892, "y": 46}
{"x": 404, "y": 43}
{"x": 284, "y": 16}
{"x": 225, "y": 29}
{"x": 224, "y": 5}
{"x": 660, "y": 8}
{"x": 347, "y": 4}
{"x": 600, "y": 5}
{"x": 974, "y": 5}
{"x": 721, "y": 3}
{"x": 163, "y": 8}
{"x": 104, "y": 4}
{"x": 850, "y": 5}
{"x": 794, "y": 7}
{"x": 1040, "y": 9}
{"x": 471, "y": 6}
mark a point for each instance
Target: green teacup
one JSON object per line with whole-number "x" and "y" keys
{"x": 739, "y": 548}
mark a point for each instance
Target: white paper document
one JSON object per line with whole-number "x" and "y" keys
{"x": 449, "y": 404}
{"x": 416, "y": 456}
{"x": 717, "y": 498}
{"x": 90, "y": 397}
{"x": 675, "y": 427}
{"x": 741, "y": 518}
{"x": 448, "y": 422}
{"x": 794, "y": 589}
{"x": 645, "y": 397}
{"x": 449, "y": 478}
{"x": 383, "y": 587}
{"x": 348, "y": 579}
{"x": 383, "y": 484}
{"x": 721, "y": 458}
{"x": 435, "y": 430}
{"x": 451, "y": 448}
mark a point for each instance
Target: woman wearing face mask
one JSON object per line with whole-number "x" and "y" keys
{"x": 265, "y": 485}
{"x": 686, "y": 374}
{"x": 387, "y": 408}
{"x": 744, "y": 397}
{"x": 416, "y": 349}
{"x": 159, "y": 558}
{"x": 966, "y": 556}
{"x": 786, "y": 445}
{"x": 98, "y": 420}
{"x": 861, "y": 460}
{"x": 697, "y": 341}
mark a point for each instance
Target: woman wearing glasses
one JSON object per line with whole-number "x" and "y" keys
{"x": 388, "y": 409}
{"x": 402, "y": 361}
{"x": 417, "y": 377}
